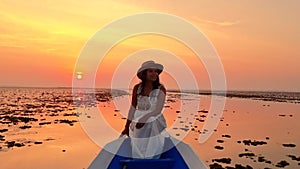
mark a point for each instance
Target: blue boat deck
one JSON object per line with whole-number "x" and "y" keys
{"x": 117, "y": 155}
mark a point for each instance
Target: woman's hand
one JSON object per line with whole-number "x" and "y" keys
{"x": 139, "y": 125}
{"x": 126, "y": 131}
{"x": 141, "y": 122}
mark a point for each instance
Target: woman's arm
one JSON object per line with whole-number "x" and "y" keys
{"x": 131, "y": 110}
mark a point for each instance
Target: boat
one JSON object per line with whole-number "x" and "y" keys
{"x": 117, "y": 155}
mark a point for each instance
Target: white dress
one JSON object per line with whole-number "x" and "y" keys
{"x": 148, "y": 141}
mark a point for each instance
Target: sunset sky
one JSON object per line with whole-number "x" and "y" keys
{"x": 257, "y": 41}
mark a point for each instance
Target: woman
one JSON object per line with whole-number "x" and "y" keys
{"x": 146, "y": 127}
{"x": 145, "y": 123}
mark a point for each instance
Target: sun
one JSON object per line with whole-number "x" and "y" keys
{"x": 79, "y": 75}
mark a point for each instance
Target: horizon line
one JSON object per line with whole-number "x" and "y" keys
{"x": 241, "y": 90}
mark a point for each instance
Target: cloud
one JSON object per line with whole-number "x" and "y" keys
{"x": 12, "y": 46}
{"x": 220, "y": 23}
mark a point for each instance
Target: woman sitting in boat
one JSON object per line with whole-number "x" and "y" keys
{"x": 146, "y": 124}
{"x": 146, "y": 127}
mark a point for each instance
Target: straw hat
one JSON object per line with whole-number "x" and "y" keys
{"x": 147, "y": 65}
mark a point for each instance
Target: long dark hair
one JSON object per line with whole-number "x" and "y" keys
{"x": 155, "y": 84}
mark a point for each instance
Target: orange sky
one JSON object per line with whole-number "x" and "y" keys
{"x": 257, "y": 41}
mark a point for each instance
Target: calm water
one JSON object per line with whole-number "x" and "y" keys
{"x": 23, "y": 111}
{"x": 290, "y": 97}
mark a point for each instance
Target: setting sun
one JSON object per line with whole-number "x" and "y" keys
{"x": 79, "y": 75}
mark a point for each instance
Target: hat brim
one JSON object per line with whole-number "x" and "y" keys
{"x": 157, "y": 66}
